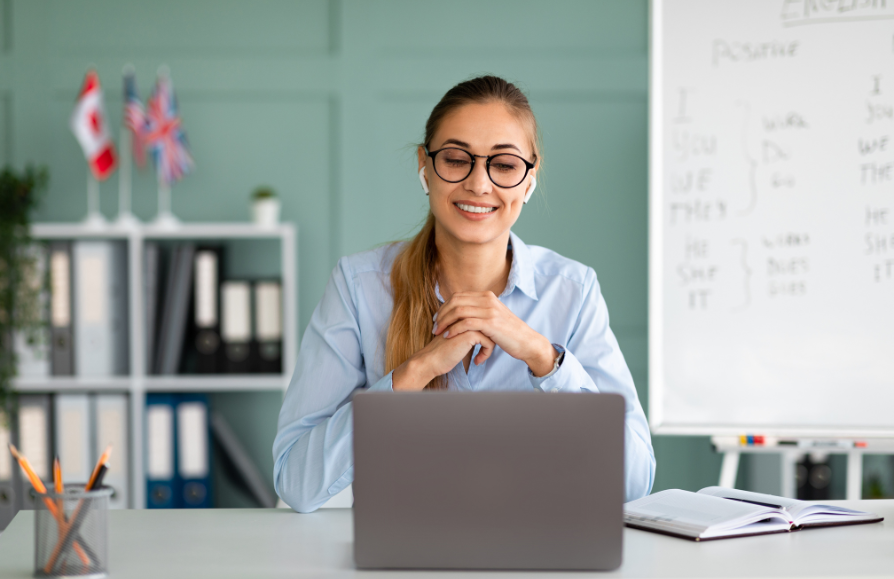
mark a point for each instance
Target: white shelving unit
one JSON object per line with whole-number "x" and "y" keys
{"x": 138, "y": 382}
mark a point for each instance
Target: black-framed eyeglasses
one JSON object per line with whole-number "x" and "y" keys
{"x": 505, "y": 170}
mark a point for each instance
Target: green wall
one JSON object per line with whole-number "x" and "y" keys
{"x": 323, "y": 101}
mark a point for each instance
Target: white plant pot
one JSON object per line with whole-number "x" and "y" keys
{"x": 265, "y": 212}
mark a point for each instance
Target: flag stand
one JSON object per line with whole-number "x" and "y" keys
{"x": 126, "y": 219}
{"x": 94, "y": 219}
{"x": 165, "y": 219}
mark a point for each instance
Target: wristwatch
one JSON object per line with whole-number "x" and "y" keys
{"x": 556, "y": 364}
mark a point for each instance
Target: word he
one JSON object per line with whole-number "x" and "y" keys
{"x": 686, "y": 144}
{"x": 870, "y": 146}
{"x": 690, "y": 181}
{"x": 879, "y": 112}
{"x": 876, "y": 216}
{"x": 787, "y": 240}
{"x": 884, "y": 271}
{"x": 697, "y": 211}
{"x": 696, "y": 248}
{"x": 879, "y": 243}
{"x": 788, "y": 121}
{"x": 695, "y": 273}
{"x": 793, "y": 266}
{"x": 874, "y": 173}
{"x": 752, "y": 51}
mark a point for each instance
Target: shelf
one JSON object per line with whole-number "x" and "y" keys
{"x": 217, "y": 230}
{"x": 72, "y": 383}
{"x": 184, "y": 231}
{"x": 76, "y": 231}
{"x": 216, "y": 383}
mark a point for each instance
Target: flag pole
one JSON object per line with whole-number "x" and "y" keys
{"x": 165, "y": 218}
{"x": 126, "y": 219}
{"x": 94, "y": 219}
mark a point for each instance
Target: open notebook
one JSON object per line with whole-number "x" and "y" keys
{"x": 720, "y": 513}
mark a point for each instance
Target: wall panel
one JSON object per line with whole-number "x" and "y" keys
{"x": 207, "y": 28}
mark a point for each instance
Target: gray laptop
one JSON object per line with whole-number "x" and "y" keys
{"x": 489, "y": 480}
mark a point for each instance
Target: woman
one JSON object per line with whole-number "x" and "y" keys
{"x": 464, "y": 305}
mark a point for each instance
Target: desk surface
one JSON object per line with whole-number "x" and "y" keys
{"x": 224, "y": 543}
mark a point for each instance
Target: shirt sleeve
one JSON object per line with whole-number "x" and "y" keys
{"x": 593, "y": 363}
{"x": 313, "y": 450}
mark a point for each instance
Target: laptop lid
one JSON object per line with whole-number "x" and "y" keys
{"x": 488, "y": 480}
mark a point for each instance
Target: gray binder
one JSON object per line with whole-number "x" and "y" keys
{"x": 62, "y": 348}
{"x": 151, "y": 265}
{"x": 175, "y": 310}
{"x": 240, "y": 460}
{"x": 100, "y": 313}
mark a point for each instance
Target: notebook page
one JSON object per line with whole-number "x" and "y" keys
{"x": 800, "y": 511}
{"x": 692, "y": 513}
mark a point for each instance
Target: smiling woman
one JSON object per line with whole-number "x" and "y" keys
{"x": 464, "y": 305}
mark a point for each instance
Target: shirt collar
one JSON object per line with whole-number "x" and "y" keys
{"x": 521, "y": 272}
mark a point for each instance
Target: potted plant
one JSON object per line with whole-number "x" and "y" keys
{"x": 265, "y": 207}
{"x": 20, "y": 304}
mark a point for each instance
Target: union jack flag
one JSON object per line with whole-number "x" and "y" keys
{"x": 164, "y": 136}
{"x": 135, "y": 118}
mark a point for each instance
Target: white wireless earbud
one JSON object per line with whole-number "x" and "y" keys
{"x": 422, "y": 180}
{"x": 531, "y": 189}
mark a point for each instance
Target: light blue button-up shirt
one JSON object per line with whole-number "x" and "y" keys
{"x": 343, "y": 350}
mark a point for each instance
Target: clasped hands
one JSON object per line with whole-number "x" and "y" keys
{"x": 468, "y": 319}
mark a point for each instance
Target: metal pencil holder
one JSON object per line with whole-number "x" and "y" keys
{"x": 71, "y": 533}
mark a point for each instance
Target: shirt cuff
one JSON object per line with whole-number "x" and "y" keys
{"x": 538, "y": 382}
{"x": 569, "y": 377}
{"x": 385, "y": 384}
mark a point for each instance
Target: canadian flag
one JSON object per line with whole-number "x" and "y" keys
{"x": 88, "y": 123}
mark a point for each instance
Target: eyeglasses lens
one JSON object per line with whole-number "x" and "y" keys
{"x": 507, "y": 170}
{"x": 453, "y": 165}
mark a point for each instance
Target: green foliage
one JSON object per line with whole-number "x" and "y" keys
{"x": 263, "y": 193}
{"x": 20, "y": 284}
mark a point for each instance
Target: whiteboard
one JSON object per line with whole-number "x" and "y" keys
{"x": 771, "y": 290}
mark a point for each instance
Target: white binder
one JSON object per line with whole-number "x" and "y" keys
{"x": 110, "y": 421}
{"x": 34, "y": 441}
{"x": 73, "y": 445}
{"x": 100, "y": 312}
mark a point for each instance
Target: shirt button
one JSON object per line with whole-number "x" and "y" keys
{"x": 554, "y": 390}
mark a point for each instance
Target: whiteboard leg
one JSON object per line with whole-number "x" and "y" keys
{"x": 854, "y": 476}
{"x": 729, "y": 469}
{"x": 789, "y": 478}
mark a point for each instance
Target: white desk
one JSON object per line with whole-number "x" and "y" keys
{"x": 242, "y": 543}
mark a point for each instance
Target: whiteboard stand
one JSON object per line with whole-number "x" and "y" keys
{"x": 792, "y": 450}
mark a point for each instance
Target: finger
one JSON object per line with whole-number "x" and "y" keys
{"x": 463, "y": 326}
{"x": 487, "y": 348}
{"x": 465, "y": 299}
{"x": 455, "y": 314}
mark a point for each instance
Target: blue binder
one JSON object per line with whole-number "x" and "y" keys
{"x": 193, "y": 480}
{"x": 161, "y": 451}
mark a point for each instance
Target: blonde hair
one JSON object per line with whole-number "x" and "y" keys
{"x": 414, "y": 272}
